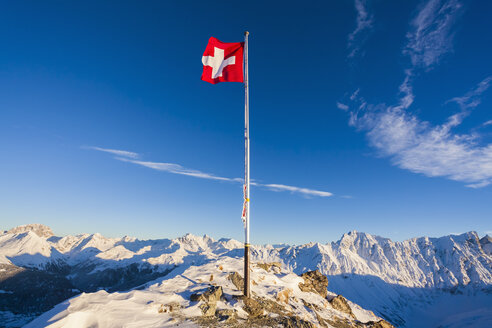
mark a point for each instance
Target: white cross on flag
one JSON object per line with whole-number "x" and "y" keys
{"x": 223, "y": 62}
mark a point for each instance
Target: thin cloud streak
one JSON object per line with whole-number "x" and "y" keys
{"x": 364, "y": 23}
{"x": 124, "y": 153}
{"x": 305, "y": 191}
{"x": 467, "y": 102}
{"x": 342, "y": 106}
{"x": 178, "y": 169}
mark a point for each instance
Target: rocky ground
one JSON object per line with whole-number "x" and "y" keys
{"x": 210, "y": 295}
{"x": 421, "y": 282}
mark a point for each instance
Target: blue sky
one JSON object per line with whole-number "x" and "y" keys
{"x": 370, "y": 115}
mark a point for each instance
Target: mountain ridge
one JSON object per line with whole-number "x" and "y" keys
{"x": 373, "y": 271}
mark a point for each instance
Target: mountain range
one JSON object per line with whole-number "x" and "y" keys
{"x": 420, "y": 282}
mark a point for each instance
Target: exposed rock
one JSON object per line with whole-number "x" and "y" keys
{"x": 252, "y": 307}
{"x": 340, "y": 303}
{"x": 283, "y": 296}
{"x": 39, "y": 229}
{"x": 271, "y": 306}
{"x": 208, "y": 309}
{"x": 380, "y": 324}
{"x": 314, "y": 281}
{"x": 237, "y": 280}
{"x": 311, "y": 306}
{"x": 486, "y": 244}
{"x": 276, "y": 267}
{"x": 209, "y": 298}
{"x": 211, "y": 295}
{"x": 170, "y": 307}
{"x": 296, "y": 322}
{"x": 226, "y": 315}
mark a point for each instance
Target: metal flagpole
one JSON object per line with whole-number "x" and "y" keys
{"x": 246, "y": 166}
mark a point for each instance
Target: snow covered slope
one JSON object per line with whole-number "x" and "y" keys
{"x": 168, "y": 302}
{"x": 446, "y": 262}
{"x": 394, "y": 279}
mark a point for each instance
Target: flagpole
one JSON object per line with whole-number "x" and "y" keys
{"x": 246, "y": 167}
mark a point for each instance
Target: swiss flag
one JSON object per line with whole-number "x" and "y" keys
{"x": 223, "y": 62}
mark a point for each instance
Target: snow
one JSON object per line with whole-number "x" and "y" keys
{"x": 141, "y": 308}
{"x": 452, "y": 311}
{"x": 27, "y": 248}
{"x": 399, "y": 280}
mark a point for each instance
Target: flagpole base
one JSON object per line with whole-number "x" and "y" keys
{"x": 247, "y": 286}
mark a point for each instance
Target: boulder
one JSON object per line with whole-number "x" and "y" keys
{"x": 211, "y": 295}
{"x": 340, "y": 303}
{"x": 226, "y": 315}
{"x": 208, "y": 309}
{"x": 170, "y": 307}
{"x": 237, "y": 280}
{"x": 276, "y": 267}
{"x": 209, "y": 299}
{"x": 315, "y": 282}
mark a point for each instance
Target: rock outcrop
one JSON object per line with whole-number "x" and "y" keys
{"x": 252, "y": 307}
{"x": 314, "y": 281}
{"x": 236, "y": 280}
{"x": 209, "y": 298}
{"x": 275, "y": 267}
{"x": 380, "y": 324}
{"x": 340, "y": 303}
{"x": 39, "y": 229}
{"x": 486, "y": 244}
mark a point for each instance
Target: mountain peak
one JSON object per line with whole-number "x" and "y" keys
{"x": 39, "y": 229}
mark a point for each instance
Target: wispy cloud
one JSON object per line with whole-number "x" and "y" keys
{"x": 472, "y": 98}
{"x": 178, "y": 169}
{"x": 124, "y": 153}
{"x": 467, "y": 102}
{"x": 416, "y": 145}
{"x": 435, "y": 151}
{"x": 304, "y": 191}
{"x": 342, "y": 106}
{"x": 364, "y": 23}
{"x": 487, "y": 123}
{"x": 431, "y": 34}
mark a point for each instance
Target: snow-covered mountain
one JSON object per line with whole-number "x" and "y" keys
{"x": 209, "y": 296}
{"x": 394, "y": 279}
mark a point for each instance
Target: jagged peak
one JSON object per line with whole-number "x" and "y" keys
{"x": 194, "y": 243}
{"x": 486, "y": 239}
{"x": 191, "y": 237}
{"x": 354, "y": 235}
{"x": 39, "y": 229}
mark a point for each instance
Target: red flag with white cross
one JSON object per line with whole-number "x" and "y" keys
{"x": 223, "y": 62}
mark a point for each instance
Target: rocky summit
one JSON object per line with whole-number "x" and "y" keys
{"x": 205, "y": 296}
{"x": 39, "y": 229}
{"x": 421, "y": 282}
